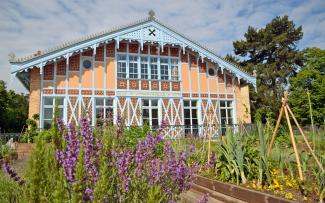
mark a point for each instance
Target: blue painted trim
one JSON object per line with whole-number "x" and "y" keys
{"x": 177, "y": 38}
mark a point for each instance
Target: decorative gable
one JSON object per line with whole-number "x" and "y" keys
{"x": 150, "y": 30}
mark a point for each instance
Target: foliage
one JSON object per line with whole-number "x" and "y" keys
{"x": 11, "y": 191}
{"x": 236, "y": 160}
{"x": 270, "y": 52}
{"x": 310, "y": 78}
{"x": 5, "y": 150}
{"x": 13, "y": 109}
{"x": 32, "y": 129}
{"x": 281, "y": 184}
{"x": 106, "y": 166}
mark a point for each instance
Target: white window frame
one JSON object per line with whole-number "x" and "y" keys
{"x": 150, "y": 107}
{"x": 51, "y": 106}
{"x": 104, "y": 107}
{"x": 229, "y": 116}
{"x": 191, "y": 108}
{"x": 133, "y": 66}
{"x": 174, "y": 69}
{"x": 154, "y": 68}
{"x": 121, "y": 71}
{"x": 164, "y": 69}
{"x": 144, "y": 67}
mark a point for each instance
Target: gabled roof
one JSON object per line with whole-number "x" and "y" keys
{"x": 139, "y": 31}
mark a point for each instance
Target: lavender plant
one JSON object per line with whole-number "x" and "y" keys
{"x": 107, "y": 171}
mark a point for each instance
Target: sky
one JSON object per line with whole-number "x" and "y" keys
{"x": 30, "y": 25}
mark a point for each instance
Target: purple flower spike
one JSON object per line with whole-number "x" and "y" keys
{"x": 68, "y": 158}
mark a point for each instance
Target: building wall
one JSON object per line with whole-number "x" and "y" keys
{"x": 81, "y": 87}
{"x": 243, "y": 104}
{"x": 34, "y": 92}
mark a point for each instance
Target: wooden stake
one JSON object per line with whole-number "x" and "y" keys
{"x": 306, "y": 141}
{"x": 294, "y": 144}
{"x": 210, "y": 131}
{"x": 284, "y": 101}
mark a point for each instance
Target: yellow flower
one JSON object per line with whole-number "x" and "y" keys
{"x": 288, "y": 195}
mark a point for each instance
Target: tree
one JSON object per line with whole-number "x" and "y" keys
{"x": 13, "y": 109}
{"x": 310, "y": 78}
{"x": 271, "y": 53}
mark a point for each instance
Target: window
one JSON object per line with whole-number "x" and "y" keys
{"x": 133, "y": 67}
{"x": 150, "y": 113}
{"x": 211, "y": 72}
{"x": 144, "y": 68}
{"x": 190, "y": 117}
{"x": 174, "y": 66}
{"x": 121, "y": 66}
{"x": 49, "y": 108}
{"x": 104, "y": 108}
{"x": 154, "y": 68}
{"x": 164, "y": 68}
{"x": 226, "y": 114}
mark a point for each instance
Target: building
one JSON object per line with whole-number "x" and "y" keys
{"x": 145, "y": 71}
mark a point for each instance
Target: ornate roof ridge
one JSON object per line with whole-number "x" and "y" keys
{"x": 151, "y": 17}
{"x": 202, "y": 45}
{"x": 67, "y": 44}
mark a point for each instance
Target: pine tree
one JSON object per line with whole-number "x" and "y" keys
{"x": 271, "y": 52}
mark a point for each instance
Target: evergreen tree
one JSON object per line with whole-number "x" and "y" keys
{"x": 310, "y": 78}
{"x": 271, "y": 53}
{"x": 13, "y": 109}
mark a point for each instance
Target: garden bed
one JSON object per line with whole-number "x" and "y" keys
{"x": 236, "y": 192}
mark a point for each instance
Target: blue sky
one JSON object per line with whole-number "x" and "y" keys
{"x": 30, "y": 25}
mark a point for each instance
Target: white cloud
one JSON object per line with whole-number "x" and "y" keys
{"x": 27, "y": 26}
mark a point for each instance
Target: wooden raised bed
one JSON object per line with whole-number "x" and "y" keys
{"x": 24, "y": 149}
{"x": 234, "y": 191}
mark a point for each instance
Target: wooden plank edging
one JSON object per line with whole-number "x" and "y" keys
{"x": 238, "y": 192}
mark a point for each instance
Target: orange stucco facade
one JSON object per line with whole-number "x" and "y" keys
{"x": 75, "y": 82}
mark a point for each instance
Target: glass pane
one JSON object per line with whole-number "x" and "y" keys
{"x": 60, "y": 101}
{"x": 186, "y": 103}
{"x": 48, "y": 113}
{"x": 109, "y": 113}
{"x": 187, "y": 121}
{"x": 230, "y": 121}
{"x": 193, "y": 103}
{"x": 187, "y": 113}
{"x": 154, "y": 102}
{"x": 194, "y": 122}
{"x": 133, "y": 58}
{"x": 145, "y": 113}
{"x": 222, "y": 104}
{"x": 109, "y": 102}
{"x": 154, "y": 113}
{"x": 223, "y": 113}
{"x": 121, "y": 57}
{"x": 145, "y": 102}
{"x": 99, "y": 113}
{"x": 174, "y": 61}
{"x": 145, "y": 121}
{"x": 144, "y": 59}
{"x": 229, "y": 113}
{"x": 155, "y": 122}
{"x": 229, "y": 103}
{"x": 48, "y": 101}
{"x": 194, "y": 113}
{"x": 99, "y": 102}
{"x": 153, "y": 60}
{"x": 163, "y": 60}
{"x": 47, "y": 124}
{"x": 60, "y": 113}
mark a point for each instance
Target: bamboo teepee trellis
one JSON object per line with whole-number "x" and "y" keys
{"x": 285, "y": 108}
